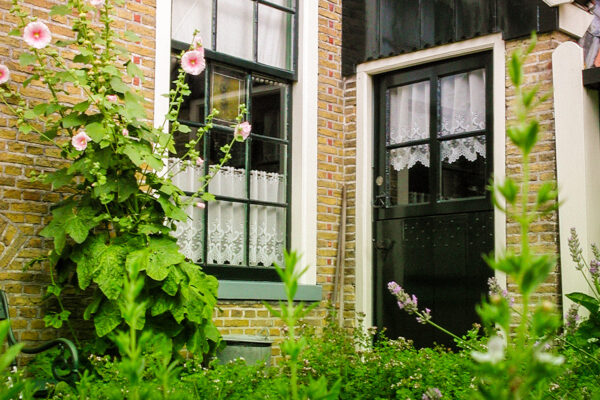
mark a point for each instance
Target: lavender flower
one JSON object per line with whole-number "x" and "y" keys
{"x": 572, "y": 319}
{"x": 595, "y": 268}
{"x": 495, "y": 289}
{"x": 432, "y": 394}
{"x": 409, "y": 303}
{"x": 575, "y": 249}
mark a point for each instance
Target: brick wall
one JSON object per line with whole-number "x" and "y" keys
{"x": 544, "y": 232}
{"x": 24, "y": 205}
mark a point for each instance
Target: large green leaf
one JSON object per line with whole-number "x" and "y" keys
{"x": 73, "y": 120}
{"x": 96, "y": 131}
{"x": 58, "y": 178}
{"x": 171, "y": 284}
{"x": 164, "y": 252}
{"x": 170, "y": 209}
{"x": 162, "y": 304}
{"x": 110, "y": 270}
{"x": 107, "y": 319}
{"x": 585, "y": 300}
{"x": 85, "y": 258}
{"x": 134, "y": 107}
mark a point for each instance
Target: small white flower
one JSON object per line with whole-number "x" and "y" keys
{"x": 495, "y": 354}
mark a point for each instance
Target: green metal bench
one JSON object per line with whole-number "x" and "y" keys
{"x": 64, "y": 366}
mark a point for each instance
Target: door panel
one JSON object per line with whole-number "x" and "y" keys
{"x": 433, "y": 218}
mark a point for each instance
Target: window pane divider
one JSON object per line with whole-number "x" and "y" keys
{"x": 276, "y": 6}
{"x": 407, "y": 144}
{"x": 462, "y": 135}
{"x": 269, "y": 139}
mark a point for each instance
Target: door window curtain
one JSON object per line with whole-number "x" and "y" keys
{"x": 462, "y": 109}
{"x": 227, "y": 220}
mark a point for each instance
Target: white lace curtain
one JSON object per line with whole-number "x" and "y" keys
{"x": 462, "y": 110}
{"x": 226, "y": 220}
{"x": 234, "y": 28}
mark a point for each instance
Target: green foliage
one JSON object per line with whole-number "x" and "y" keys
{"x": 520, "y": 365}
{"x": 292, "y": 346}
{"x": 120, "y": 201}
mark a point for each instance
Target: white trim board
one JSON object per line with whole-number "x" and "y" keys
{"x": 364, "y": 147}
{"x": 304, "y": 125}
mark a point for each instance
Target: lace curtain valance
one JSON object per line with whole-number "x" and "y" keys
{"x": 462, "y": 109}
{"x": 226, "y": 220}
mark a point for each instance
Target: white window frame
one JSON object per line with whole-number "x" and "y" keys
{"x": 365, "y": 115}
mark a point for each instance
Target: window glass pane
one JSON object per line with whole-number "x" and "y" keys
{"x": 231, "y": 179}
{"x": 234, "y": 28}
{"x": 462, "y": 103}
{"x": 274, "y": 37}
{"x": 268, "y": 107}
{"x": 226, "y": 233}
{"x": 193, "y": 106}
{"x": 190, "y": 234}
{"x": 187, "y": 178}
{"x": 228, "y": 92}
{"x": 267, "y": 235}
{"x": 189, "y": 15}
{"x": 407, "y": 113}
{"x": 409, "y": 175}
{"x": 267, "y": 175}
{"x": 463, "y": 167}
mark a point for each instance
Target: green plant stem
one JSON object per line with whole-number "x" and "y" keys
{"x": 62, "y": 309}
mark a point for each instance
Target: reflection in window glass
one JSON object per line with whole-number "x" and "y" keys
{"x": 267, "y": 175}
{"x": 228, "y": 92}
{"x": 409, "y": 175}
{"x": 189, "y": 15}
{"x": 407, "y": 113}
{"x": 268, "y": 107}
{"x": 462, "y": 103}
{"x": 463, "y": 168}
{"x": 267, "y": 235}
{"x": 234, "y": 28}
{"x": 193, "y": 106}
{"x": 273, "y": 37}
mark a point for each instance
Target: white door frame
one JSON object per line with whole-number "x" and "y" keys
{"x": 365, "y": 115}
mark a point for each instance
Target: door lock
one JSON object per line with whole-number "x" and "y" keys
{"x": 384, "y": 244}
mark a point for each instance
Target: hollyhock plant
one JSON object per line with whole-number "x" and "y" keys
{"x": 193, "y": 62}
{"x": 4, "y": 74}
{"x": 80, "y": 141}
{"x": 243, "y": 130}
{"x": 37, "y": 35}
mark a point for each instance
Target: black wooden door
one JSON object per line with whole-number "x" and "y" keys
{"x": 433, "y": 217}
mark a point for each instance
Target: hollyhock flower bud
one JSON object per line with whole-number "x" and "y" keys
{"x": 199, "y": 161}
{"x": 37, "y": 35}
{"x": 243, "y": 130}
{"x": 113, "y": 98}
{"x": 80, "y": 141}
{"x": 197, "y": 44}
{"x": 193, "y": 62}
{"x": 200, "y": 205}
{"x": 4, "y": 74}
{"x": 125, "y": 132}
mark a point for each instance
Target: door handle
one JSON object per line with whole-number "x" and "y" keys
{"x": 384, "y": 244}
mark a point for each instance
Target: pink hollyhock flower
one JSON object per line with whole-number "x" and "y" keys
{"x": 4, "y": 74}
{"x": 37, "y": 35}
{"x": 112, "y": 98}
{"x": 193, "y": 62}
{"x": 243, "y": 129}
{"x": 125, "y": 132}
{"x": 199, "y": 161}
{"x": 200, "y": 205}
{"x": 97, "y": 3}
{"x": 80, "y": 141}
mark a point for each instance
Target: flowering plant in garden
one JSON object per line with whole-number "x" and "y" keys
{"x": 120, "y": 203}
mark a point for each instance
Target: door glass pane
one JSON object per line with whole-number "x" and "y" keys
{"x": 227, "y": 93}
{"x": 234, "y": 28}
{"x": 267, "y": 235}
{"x": 463, "y": 168}
{"x": 268, "y": 107}
{"x": 462, "y": 103}
{"x": 189, "y": 15}
{"x": 231, "y": 179}
{"x": 226, "y": 233}
{"x": 407, "y": 113}
{"x": 267, "y": 175}
{"x": 274, "y": 37}
{"x": 409, "y": 175}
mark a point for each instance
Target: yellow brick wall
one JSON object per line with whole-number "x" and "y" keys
{"x": 544, "y": 236}
{"x": 24, "y": 205}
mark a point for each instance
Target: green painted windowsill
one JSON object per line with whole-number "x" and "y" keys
{"x": 245, "y": 290}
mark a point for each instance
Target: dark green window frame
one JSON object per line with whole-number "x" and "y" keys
{"x": 250, "y": 69}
